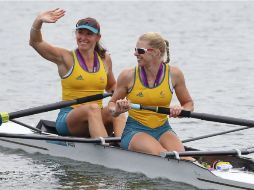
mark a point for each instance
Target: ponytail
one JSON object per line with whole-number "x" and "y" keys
{"x": 167, "y": 51}
{"x": 100, "y": 50}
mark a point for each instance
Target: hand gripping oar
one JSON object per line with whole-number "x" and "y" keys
{"x": 202, "y": 116}
{"x": 5, "y": 117}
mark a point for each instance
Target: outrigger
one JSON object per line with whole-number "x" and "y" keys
{"x": 204, "y": 173}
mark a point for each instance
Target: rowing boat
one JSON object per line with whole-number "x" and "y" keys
{"x": 235, "y": 171}
{"x": 106, "y": 152}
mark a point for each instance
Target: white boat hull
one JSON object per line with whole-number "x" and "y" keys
{"x": 117, "y": 158}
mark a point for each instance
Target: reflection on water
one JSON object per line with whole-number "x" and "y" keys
{"x": 19, "y": 170}
{"x": 45, "y": 172}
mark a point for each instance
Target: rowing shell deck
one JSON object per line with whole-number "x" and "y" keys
{"x": 152, "y": 166}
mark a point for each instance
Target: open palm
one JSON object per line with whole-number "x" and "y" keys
{"x": 52, "y": 16}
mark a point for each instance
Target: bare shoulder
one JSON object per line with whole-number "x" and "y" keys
{"x": 65, "y": 62}
{"x": 107, "y": 62}
{"x": 174, "y": 70}
{"x": 127, "y": 73}
{"x": 126, "y": 77}
{"x": 176, "y": 75}
{"x": 107, "y": 58}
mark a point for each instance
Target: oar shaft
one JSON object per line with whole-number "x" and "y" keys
{"x": 60, "y": 138}
{"x": 57, "y": 105}
{"x": 214, "y": 134}
{"x": 27, "y": 126}
{"x": 207, "y": 153}
{"x": 202, "y": 116}
{"x": 222, "y": 119}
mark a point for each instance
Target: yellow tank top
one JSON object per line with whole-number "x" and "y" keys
{"x": 160, "y": 95}
{"x": 81, "y": 83}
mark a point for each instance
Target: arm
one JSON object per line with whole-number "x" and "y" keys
{"x": 182, "y": 93}
{"x": 53, "y": 54}
{"x": 111, "y": 83}
{"x": 118, "y": 103}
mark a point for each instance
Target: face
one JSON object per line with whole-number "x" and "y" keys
{"x": 86, "y": 39}
{"x": 144, "y": 53}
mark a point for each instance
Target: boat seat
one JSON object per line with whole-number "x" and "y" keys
{"x": 47, "y": 126}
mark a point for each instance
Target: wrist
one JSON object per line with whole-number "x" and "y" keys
{"x": 35, "y": 29}
{"x": 114, "y": 113}
{"x": 37, "y": 25}
{"x": 112, "y": 109}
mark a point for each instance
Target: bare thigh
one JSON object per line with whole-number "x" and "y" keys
{"x": 78, "y": 119}
{"x": 171, "y": 142}
{"x": 107, "y": 120}
{"x": 106, "y": 116}
{"x": 113, "y": 124}
{"x": 142, "y": 142}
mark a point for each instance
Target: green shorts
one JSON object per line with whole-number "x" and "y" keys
{"x": 133, "y": 127}
{"x": 61, "y": 123}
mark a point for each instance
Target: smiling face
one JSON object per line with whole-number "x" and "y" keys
{"x": 144, "y": 53}
{"x": 154, "y": 49}
{"x": 86, "y": 39}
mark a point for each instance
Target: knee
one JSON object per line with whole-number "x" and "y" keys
{"x": 93, "y": 109}
{"x": 93, "y": 106}
{"x": 121, "y": 116}
{"x": 158, "y": 151}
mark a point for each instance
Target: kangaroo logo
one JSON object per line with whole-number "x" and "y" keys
{"x": 140, "y": 94}
{"x": 79, "y": 77}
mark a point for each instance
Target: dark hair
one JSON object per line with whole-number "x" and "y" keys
{"x": 100, "y": 50}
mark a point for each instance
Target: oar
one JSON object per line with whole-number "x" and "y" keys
{"x": 214, "y": 134}
{"x": 27, "y": 126}
{"x": 5, "y": 117}
{"x": 208, "y": 153}
{"x": 202, "y": 116}
{"x": 61, "y": 138}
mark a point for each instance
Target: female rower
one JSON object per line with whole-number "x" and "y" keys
{"x": 85, "y": 71}
{"x": 150, "y": 83}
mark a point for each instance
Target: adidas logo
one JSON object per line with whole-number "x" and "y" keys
{"x": 79, "y": 77}
{"x": 162, "y": 94}
{"x": 102, "y": 80}
{"x": 140, "y": 94}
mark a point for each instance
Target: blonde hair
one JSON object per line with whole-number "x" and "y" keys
{"x": 155, "y": 40}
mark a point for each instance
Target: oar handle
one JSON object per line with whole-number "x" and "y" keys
{"x": 4, "y": 117}
{"x": 183, "y": 113}
{"x": 162, "y": 110}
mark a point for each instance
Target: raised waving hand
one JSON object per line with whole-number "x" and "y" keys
{"x": 51, "y": 16}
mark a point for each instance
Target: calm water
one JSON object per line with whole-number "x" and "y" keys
{"x": 212, "y": 42}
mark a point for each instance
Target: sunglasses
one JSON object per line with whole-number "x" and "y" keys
{"x": 87, "y": 23}
{"x": 90, "y": 24}
{"x": 142, "y": 50}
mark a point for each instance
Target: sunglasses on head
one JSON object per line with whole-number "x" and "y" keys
{"x": 142, "y": 50}
{"x": 86, "y": 23}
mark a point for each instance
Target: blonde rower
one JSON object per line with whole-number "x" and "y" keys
{"x": 152, "y": 83}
